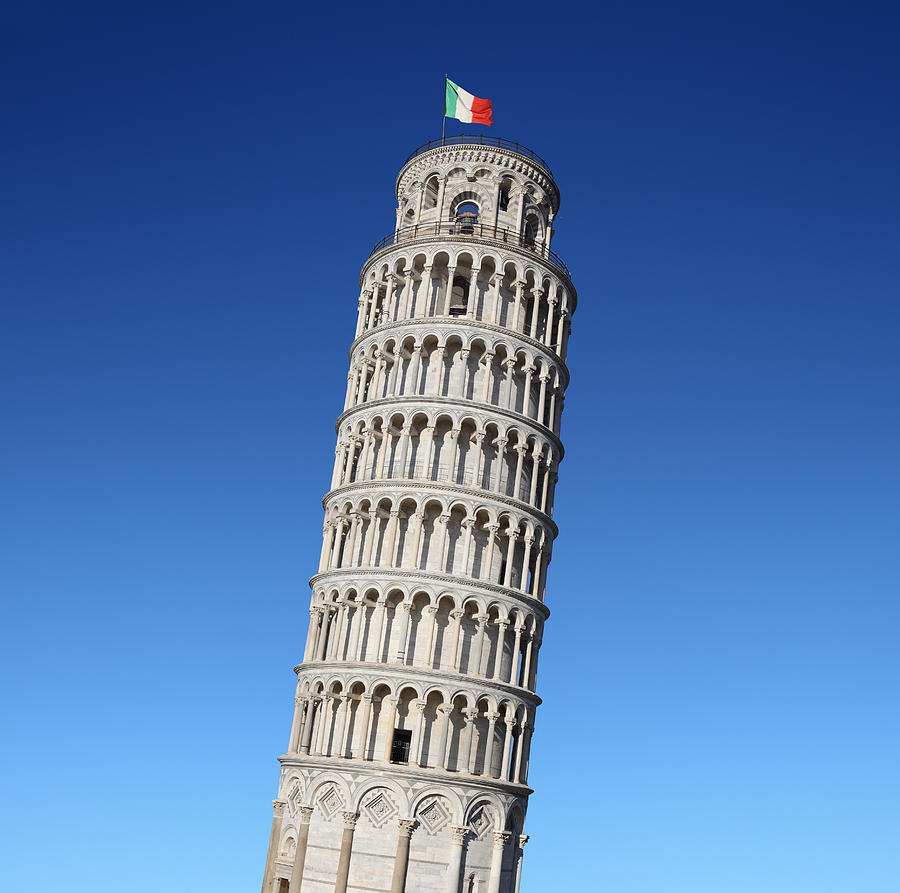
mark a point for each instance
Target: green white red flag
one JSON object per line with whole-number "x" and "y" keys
{"x": 465, "y": 107}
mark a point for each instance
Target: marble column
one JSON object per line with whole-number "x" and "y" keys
{"x": 520, "y": 855}
{"x": 274, "y": 839}
{"x": 458, "y": 834}
{"x": 500, "y": 839}
{"x": 343, "y": 869}
{"x": 300, "y": 856}
{"x": 401, "y": 859}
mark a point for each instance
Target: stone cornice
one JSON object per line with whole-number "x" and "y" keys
{"x": 411, "y": 671}
{"x": 404, "y": 772}
{"x": 440, "y": 487}
{"x": 447, "y": 581}
{"x": 444, "y": 322}
{"x": 414, "y": 400}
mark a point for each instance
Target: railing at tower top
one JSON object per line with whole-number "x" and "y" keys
{"x": 469, "y": 140}
{"x": 455, "y": 229}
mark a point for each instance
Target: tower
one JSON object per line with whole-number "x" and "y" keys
{"x": 407, "y": 763}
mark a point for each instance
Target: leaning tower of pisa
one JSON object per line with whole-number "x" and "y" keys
{"x": 407, "y": 763}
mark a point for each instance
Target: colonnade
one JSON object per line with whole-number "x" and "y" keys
{"x": 432, "y": 366}
{"x": 420, "y": 533}
{"x": 448, "y": 735}
{"x": 409, "y": 446}
{"x": 539, "y": 309}
{"x": 492, "y": 644}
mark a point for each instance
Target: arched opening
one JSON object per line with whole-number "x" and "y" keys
{"x": 467, "y": 216}
{"x": 459, "y": 296}
{"x": 531, "y": 231}
{"x": 431, "y": 193}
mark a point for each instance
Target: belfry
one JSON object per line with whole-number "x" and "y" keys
{"x": 407, "y": 763}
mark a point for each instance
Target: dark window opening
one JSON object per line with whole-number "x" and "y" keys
{"x": 459, "y": 296}
{"x": 400, "y": 746}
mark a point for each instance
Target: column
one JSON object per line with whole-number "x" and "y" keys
{"x": 526, "y": 752}
{"x": 360, "y": 314}
{"x": 407, "y": 294}
{"x": 548, "y": 470}
{"x": 500, "y": 839}
{"x": 512, "y": 536}
{"x": 458, "y": 834}
{"x": 390, "y": 285}
{"x": 451, "y": 272}
{"x": 445, "y": 710}
{"x": 391, "y": 721}
{"x": 363, "y": 379}
{"x": 418, "y": 522}
{"x": 526, "y": 563}
{"x": 506, "y": 391}
{"x": 482, "y": 621}
{"x": 418, "y": 730}
{"x": 489, "y": 747}
{"x": 324, "y": 723}
{"x": 371, "y": 536}
{"x": 442, "y": 543}
{"x": 363, "y": 722}
{"x": 507, "y": 742}
{"x": 400, "y": 469}
{"x": 520, "y": 855}
{"x": 327, "y": 544}
{"x": 456, "y": 615}
{"x": 473, "y": 293}
{"x": 450, "y": 442}
{"x": 384, "y": 451}
{"x": 427, "y": 432}
{"x": 538, "y": 570}
{"x": 311, "y": 636}
{"x": 401, "y": 859}
{"x": 314, "y": 703}
{"x": 488, "y": 375}
{"x": 520, "y": 743}
{"x": 300, "y": 856}
{"x": 551, "y": 319}
{"x": 323, "y": 633}
{"x": 502, "y": 627}
{"x": 514, "y": 664}
{"x": 349, "y": 558}
{"x": 381, "y": 611}
{"x": 467, "y": 526}
{"x": 464, "y": 375}
{"x": 338, "y": 537}
{"x": 535, "y": 468}
{"x": 520, "y": 459}
{"x": 393, "y": 524}
{"x": 465, "y": 741}
{"x": 438, "y": 359}
{"x": 403, "y": 632}
{"x": 542, "y": 397}
{"x": 431, "y": 611}
{"x": 537, "y": 294}
{"x": 373, "y": 309}
{"x": 424, "y": 297}
{"x": 492, "y": 536}
{"x": 495, "y": 297}
{"x": 274, "y": 839}
{"x": 473, "y": 741}
{"x": 294, "y": 739}
{"x": 412, "y": 376}
{"x": 343, "y": 870}
{"x": 526, "y": 666}
{"x": 519, "y": 288}
{"x": 341, "y": 724}
{"x": 497, "y": 470}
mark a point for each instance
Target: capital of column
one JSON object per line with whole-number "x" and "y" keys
{"x": 405, "y": 827}
{"x": 350, "y": 819}
{"x": 523, "y": 839}
{"x": 456, "y": 613}
{"x": 458, "y": 834}
{"x": 501, "y": 838}
{"x": 278, "y": 806}
{"x": 305, "y": 814}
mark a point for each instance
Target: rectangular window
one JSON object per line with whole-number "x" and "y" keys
{"x": 400, "y": 747}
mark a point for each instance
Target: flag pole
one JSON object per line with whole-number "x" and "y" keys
{"x": 444, "y": 108}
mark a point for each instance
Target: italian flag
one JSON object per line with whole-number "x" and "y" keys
{"x": 465, "y": 107}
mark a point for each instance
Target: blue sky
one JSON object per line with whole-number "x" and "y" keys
{"x": 189, "y": 191}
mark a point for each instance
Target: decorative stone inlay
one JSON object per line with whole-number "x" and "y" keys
{"x": 330, "y": 802}
{"x": 434, "y": 815}
{"x": 480, "y": 823}
{"x": 294, "y": 798}
{"x": 380, "y": 808}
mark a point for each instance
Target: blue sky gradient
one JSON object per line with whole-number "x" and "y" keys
{"x": 189, "y": 192}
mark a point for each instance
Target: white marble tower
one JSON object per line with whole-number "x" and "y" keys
{"x": 407, "y": 763}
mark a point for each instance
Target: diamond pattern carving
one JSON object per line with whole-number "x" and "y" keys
{"x": 434, "y": 815}
{"x": 380, "y": 809}
{"x": 480, "y": 823}
{"x": 330, "y": 802}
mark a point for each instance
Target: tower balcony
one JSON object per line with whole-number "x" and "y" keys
{"x": 467, "y": 228}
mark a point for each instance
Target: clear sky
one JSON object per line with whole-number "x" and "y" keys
{"x": 188, "y": 193}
